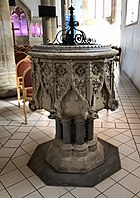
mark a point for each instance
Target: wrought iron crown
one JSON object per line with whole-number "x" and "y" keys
{"x": 72, "y": 35}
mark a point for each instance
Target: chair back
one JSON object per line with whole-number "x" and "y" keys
{"x": 19, "y": 56}
{"x": 22, "y": 66}
{"x": 27, "y": 78}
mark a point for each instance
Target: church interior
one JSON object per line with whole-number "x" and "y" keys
{"x": 23, "y": 25}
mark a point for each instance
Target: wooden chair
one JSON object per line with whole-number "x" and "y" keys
{"x": 27, "y": 89}
{"x": 19, "y": 56}
{"x": 20, "y": 68}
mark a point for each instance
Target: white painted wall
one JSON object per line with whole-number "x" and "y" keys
{"x": 130, "y": 43}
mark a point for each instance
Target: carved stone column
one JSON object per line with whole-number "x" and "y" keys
{"x": 59, "y": 134}
{"x": 7, "y": 62}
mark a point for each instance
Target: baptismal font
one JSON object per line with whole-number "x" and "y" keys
{"x": 74, "y": 80}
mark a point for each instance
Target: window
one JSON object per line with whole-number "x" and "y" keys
{"x": 132, "y": 11}
{"x": 102, "y": 8}
{"x": 19, "y": 22}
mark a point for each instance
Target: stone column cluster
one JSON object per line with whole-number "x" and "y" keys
{"x": 74, "y": 131}
{"x": 7, "y": 62}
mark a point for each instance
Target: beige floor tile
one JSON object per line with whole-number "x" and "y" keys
{"x": 128, "y": 107}
{"x": 119, "y": 175}
{"x": 13, "y": 143}
{"x": 85, "y": 192}
{"x": 44, "y": 139}
{"x": 128, "y": 133}
{"x": 134, "y": 120}
{"x": 20, "y": 189}
{"x": 129, "y": 164}
{"x": 117, "y": 191}
{"x": 11, "y": 129}
{"x": 128, "y": 111}
{"x": 18, "y": 136}
{"x": 4, "y": 140}
{"x": 97, "y": 124}
{"x": 67, "y": 195}
{"x": 11, "y": 178}
{"x": 122, "y": 126}
{"x": 4, "y": 194}
{"x": 110, "y": 132}
{"x": 135, "y": 156}
{"x": 21, "y": 160}
{"x": 137, "y": 139}
{"x": 8, "y": 168}
{"x": 16, "y": 123}
{"x": 131, "y": 115}
{"x": 137, "y": 172}
{"x": 4, "y": 134}
{"x": 27, "y": 140}
{"x": 19, "y": 152}
{"x": 26, "y": 171}
{"x": 135, "y": 126}
{"x": 122, "y": 138}
{"x": 42, "y": 123}
{"x": 1, "y": 186}
{"x": 24, "y": 129}
{"x": 101, "y": 196}
{"x": 138, "y": 146}
{"x": 136, "y": 132}
{"x": 36, "y": 181}
{"x": 4, "y": 122}
{"x": 52, "y": 191}
{"x": 6, "y": 152}
{"x": 114, "y": 142}
{"x": 105, "y": 184}
{"x": 131, "y": 143}
{"x": 37, "y": 135}
{"x": 108, "y": 125}
{"x": 132, "y": 183}
{"x": 34, "y": 195}
{"x": 50, "y": 131}
{"x": 29, "y": 147}
{"x": 126, "y": 150}
{"x": 103, "y": 136}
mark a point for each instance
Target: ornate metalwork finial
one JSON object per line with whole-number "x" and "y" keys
{"x": 72, "y": 36}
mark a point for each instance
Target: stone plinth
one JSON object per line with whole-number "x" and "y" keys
{"x": 73, "y": 83}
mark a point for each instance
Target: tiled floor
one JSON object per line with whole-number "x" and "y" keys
{"x": 17, "y": 143}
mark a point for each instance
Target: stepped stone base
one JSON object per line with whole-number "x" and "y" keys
{"x": 50, "y": 176}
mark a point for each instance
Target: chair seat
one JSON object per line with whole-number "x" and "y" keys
{"x": 29, "y": 92}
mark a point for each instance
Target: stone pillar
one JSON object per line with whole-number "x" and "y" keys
{"x": 7, "y": 62}
{"x": 113, "y": 11}
{"x": 89, "y": 129}
{"x": 66, "y": 132}
{"x": 63, "y": 13}
{"x": 59, "y": 134}
{"x": 80, "y": 132}
{"x": 46, "y": 24}
{"x": 53, "y": 21}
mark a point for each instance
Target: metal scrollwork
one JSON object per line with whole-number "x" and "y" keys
{"x": 72, "y": 35}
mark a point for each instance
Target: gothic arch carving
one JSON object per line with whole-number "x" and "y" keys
{"x": 27, "y": 11}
